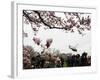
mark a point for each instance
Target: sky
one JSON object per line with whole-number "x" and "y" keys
{"x": 61, "y": 39}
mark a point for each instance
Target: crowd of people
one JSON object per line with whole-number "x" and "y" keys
{"x": 48, "y": 60}
{"x": 77, "y": 60}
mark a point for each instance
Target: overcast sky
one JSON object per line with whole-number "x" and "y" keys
{"x": 61, "y": 39}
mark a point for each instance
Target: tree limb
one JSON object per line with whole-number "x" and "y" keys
{"x": 42, "y": 20}
{"x": 27, "y": 16}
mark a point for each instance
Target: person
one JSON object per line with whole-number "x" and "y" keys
{"x": 73, "y": 60}
{"x": 62, "y": 61}
{"x": 58, "y": 62}
{"x": 69, "y": 61}
{"x": 77, "y": 60}
{"x": 38, "y": 59}
{"x": 33, "y": 62}
{"x": 89, "y": 60}
{"x": 84, "y": 59}
{"x": 42, "y": 63}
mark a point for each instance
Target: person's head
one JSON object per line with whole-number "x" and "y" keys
{"x": 78, "y": 56}
{"x": 84, "y": 54}
{"x": 73, "y": 56}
